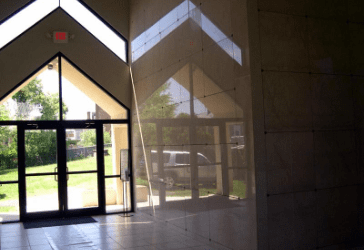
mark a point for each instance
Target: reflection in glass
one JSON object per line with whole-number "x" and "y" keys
{"x": 238, "y": 170}
{"x": 40, "y": 151}
{"x": 209, "y": 170}
{"x": 8, "y": 153}
{"x": 36, "y": 99}
{"x": 81, "y": 149}
{"x": 84, "y": 99}
{"x": 171, "y": 21}
{"x": 9, "y": 203}
{"x": 42, "y": 193}
{"x": 175, "y": 135}
{"x": 82, "y": 191}
{"x": 187, "y": 108}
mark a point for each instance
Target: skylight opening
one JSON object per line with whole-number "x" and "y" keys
{"x": 96, "y": 27}
{"x": 25, "y": 19}
{"x": 36, "y": 11}
{"x": 152, "y": 36}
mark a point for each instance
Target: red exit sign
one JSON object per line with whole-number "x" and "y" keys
{"x": 60, "y": 37}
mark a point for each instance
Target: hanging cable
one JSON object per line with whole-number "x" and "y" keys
{"x": 141, "y": 137}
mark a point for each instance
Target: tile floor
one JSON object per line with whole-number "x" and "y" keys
{"x": 139, "y": 232}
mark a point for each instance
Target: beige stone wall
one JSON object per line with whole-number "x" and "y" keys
{"x": 308, "y": 80}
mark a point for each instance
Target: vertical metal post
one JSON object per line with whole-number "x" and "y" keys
{"x": 60, "y": 87}
{"x": 100, "y": 167}
{"x": 192, "y": 132}
{"x": 62, "y": 171}
{"x": 131, "y": 179}
{"x": 161, "y": 175}
{"x": 21, "y": 172}
{"x": 224, "y": 160}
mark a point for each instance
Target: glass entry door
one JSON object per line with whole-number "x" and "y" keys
{"x": 41, "y": 171}
{"x": 61, "y": 172}
{"x": 81, "y": 169}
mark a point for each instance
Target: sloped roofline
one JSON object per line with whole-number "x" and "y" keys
{"x": 90, "y": 10}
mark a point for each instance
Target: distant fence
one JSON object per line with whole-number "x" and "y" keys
{"x": 77, "y": 153}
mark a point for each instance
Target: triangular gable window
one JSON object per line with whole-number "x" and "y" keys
{"x": 39, "y": 96}
{"x": 19, "y": 23}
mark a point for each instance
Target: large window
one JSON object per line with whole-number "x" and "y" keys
{"x": 38, "y": 98}
{"x": 69, "y": 141}
{"x": 36, "y": 11}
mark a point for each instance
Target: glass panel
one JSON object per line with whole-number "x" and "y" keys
{"x": 117, "y": 193}
{"x": 84, "y": 99}
{"x": 9, "y": 202}
{"x": 237, "y": 160}
{"x": 24, "y": 19}
{"x": 81, "y": 149}
{"x": 208, "y": 169}
{"x": 143, "y": 196}
{"x": 36, "y": 99}
{"x": 8, "y": 153}
{"x": 42, "y": 193}
{"x": 208, "y": 160}
{"x": 176, "y": 173}
{"x": 175, "y": 135}
{"x": 40, "y": 151}
{"x": 82, "y": 190}
{"x": 116, "y": 146}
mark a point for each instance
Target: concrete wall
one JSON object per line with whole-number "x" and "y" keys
{"x": 32, "y": 49}
{"x": 308, "y": 77}
{"x": 9, "y": 7}
{"x": 114, "y": 12}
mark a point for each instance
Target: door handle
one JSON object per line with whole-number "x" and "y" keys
{"x": 56, "y": 175}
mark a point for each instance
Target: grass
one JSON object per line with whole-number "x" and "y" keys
{"x": 43, "y": 185}
{"x": 8, "y": 209}
{"x": 239, "y": 189}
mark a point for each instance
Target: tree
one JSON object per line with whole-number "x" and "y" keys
{"x": 156, "y": 106}
{"x": 40, "y": 146}
{"x": 4, "y": 113}
{"x": 8, "y": 142}
{"x": 107, "y": 137}
{"x": 88, "y": 138}
{"x": 32, "y": 96}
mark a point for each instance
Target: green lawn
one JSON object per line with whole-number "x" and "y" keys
{"x": 239, "y": 189}
{"x": 8, "y": 209}
{"x": 41, "y": 185}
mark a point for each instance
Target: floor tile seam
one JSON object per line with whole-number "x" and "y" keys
{"x": 9, "y": 242}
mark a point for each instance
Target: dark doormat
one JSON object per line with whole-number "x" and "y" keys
{"x": 58, "y": 222}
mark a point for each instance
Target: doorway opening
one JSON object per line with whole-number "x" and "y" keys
{"x": 65, "y": 147}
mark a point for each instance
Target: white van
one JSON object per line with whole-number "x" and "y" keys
{"x": 177, "y": 167}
